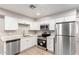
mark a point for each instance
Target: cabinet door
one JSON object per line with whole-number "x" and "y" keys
{"x": 44, "y": 22}
{"x": 50, "y": 44}
{"x": 30, "y": 43}
{"x": 35, "y": 26}
{"x": 24, "y": 44}
{"x": 34, "y": 41}
{"x": 70, "y": 18}
{"x": 62, "y": 19}
{"x": 11, "y": 23}
{"x": 52, "y": 24}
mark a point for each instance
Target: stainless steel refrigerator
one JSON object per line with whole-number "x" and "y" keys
{"x": 65, "y": 38}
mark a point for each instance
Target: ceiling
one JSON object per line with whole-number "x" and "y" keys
{"x": 41, "y": 10}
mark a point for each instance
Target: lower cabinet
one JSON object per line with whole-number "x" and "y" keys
{"x": 27, "y": 42}
{"x": 50, "y": 44}
{"x": 23, "y": 44}
{"x": 34, "y": 41}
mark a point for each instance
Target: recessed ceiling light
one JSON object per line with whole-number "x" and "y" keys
{"x": 38, "y": 14}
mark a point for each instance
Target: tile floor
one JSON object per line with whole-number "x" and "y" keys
{"x": 35, "y": 51}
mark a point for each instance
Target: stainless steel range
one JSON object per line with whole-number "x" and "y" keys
{"x": 42, "y": 40}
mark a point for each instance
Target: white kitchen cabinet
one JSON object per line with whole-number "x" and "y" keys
{"x": 62, "y": 19}
{"x": 70, "y": 18}
{"x": 11, "y": 23}
{"x": 52, "y": 25}
{"x": 34, "y": 41}
{"x": 35, "y": 26}
{"x": 24, "y": 44}
{"x": 66, "y": 19}
{"x": 28, "y": 42}
{"x": 44, "y": 22}
{"x": 50, "y": 44}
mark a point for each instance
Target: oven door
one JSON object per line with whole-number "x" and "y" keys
{"x": 41, "y": 43}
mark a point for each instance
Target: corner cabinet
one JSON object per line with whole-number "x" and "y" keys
{"x": 11, "y": 23}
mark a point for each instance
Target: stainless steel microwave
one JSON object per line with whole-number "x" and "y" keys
{"x": 44, "y": 27}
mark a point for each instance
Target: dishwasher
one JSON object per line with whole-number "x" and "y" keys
{"x": 13, "y": 47}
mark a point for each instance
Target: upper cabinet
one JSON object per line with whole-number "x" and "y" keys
{"x": 70, "y": 18}
{"x": 66, "y": 19}
{"x": 62, "y": 19}
{"x": 44, "y": 22}
{"x": 11, "y": 23}
{"x": 34, "y": 26}
{"x": 52, "y": 24}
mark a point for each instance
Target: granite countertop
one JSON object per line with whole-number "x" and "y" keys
{"x": 12, "y": 37}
